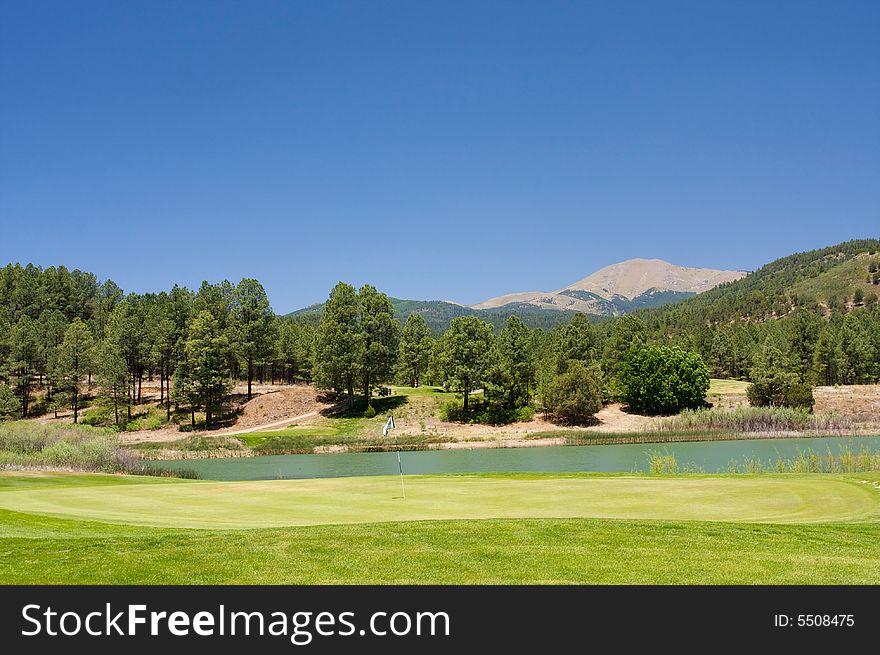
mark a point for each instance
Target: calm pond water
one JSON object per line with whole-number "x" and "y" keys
{"x": 708, "y": 456}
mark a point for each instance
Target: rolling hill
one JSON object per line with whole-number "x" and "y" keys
{"x": 614, "y": 290}
{"x": 832, "y": 277}
{"x": 439, "y": 313}
{"x": 675, "y": 295}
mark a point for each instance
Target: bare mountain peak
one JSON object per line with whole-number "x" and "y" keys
{"x": 634, "y": 277}
{"x": 607, "y": 290}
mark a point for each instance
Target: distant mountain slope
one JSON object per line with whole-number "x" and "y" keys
{"x": 439, "y": 313}
{"x": 621, "y": 288}
{"x": 814, "y": 279}
{"x": 635, "y": 277}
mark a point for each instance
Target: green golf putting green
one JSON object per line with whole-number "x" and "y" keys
{"x": 279, "y": 503}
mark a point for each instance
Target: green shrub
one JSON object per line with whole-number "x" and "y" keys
{"x": 663, "y": 380}
{"x": 452, "y": 411}
{"x": 102, "y": 415}
{"x": 574, "y": 396}
{"x": 9, "y": 404}
{"x": 780, "y": 390}
{"x": 483, "y": 413}
{"x": 662, "y": 463}
{"x": 370, "y": 412}
{"x": 153, "y": 420}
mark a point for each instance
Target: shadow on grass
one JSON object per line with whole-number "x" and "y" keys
{"x": 382, "y": 405}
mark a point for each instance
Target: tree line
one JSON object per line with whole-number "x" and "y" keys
{"x": 64, "y": 334}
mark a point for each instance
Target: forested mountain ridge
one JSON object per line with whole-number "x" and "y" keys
{"x": 614, "y": 290}
{"x": 439, "y": 313}
{"x": 813, "y": 315}
{"x": 836, "y": 277}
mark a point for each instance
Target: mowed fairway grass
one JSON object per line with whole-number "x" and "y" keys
{"x": 497, "y": 528}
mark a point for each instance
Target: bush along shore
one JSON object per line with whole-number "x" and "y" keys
{"x": 39, "y": 446}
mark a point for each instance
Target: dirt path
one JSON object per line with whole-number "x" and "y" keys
{"x": 268, "y": 426}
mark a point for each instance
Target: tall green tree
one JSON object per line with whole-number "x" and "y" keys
{"x": 415, "y": 349}
{"x": 516, "y": 363}
{"x": 722, "y": 354}
{"x": 25, "y": 352}
{"x": 75, "y": 361}
{"x": 254, "y": 324}
{"x": 803, "y": 332}
{"x": 339, "y": 348}
{"x": 296, "y": 342}
{"x": 207, "y": 356}
{"x": 381, "y": 337}
{"x": 825, "y": 357}
{"x": 576, "y": 340}
{"x": 124, "y": 332}
{"x": 855, "y": 352}
{"x": 50, "y": 326}
{"x": 626, "y": 332}
{"x": 114, "y": 383}
{"x": 463, "y": 353}
{"x": 184, "y": 389}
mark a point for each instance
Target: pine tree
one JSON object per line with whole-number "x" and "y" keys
{"x": 626, "y": 332}
{"x": 24, "y": 353}
{"x": 825, "y": 357}
{"x": 254, "y": 325}
{"x": 339, "y": 351}
{"x": 124, "y": 332}
{"x": 381, "y": 337}
{"x": 207, "y": 356}
{"x": 113, "y": 376}
{"x": 75, "y": 360}
{"x": 8, "y": 402}
{"x": 415, "y": 350}
{"x": 463, "y": 353}
{"x": 516, "y": 363}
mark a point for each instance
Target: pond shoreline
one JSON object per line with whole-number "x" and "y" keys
{"x": 171, "y": 454}
{"x": 715, "y": 456}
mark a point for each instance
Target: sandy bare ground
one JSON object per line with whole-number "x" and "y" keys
{"x": 854, "y": 400}
{"x": 275, "y": 407}
{"x": 610, "y": 419}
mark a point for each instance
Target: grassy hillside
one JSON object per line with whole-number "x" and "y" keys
{"x": 817, "y": 279}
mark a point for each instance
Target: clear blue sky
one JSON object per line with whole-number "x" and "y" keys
{"x": 438, "y": 150}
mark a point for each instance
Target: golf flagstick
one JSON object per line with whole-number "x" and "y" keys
{"x": 389, "y": 425}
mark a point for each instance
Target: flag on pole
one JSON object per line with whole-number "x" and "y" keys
{"x": 389, "y": 425}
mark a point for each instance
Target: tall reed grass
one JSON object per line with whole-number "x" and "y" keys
{"x": 846, "y": 460}
{"x": 28, "y": 444}
{"x": 756, "y": 419}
